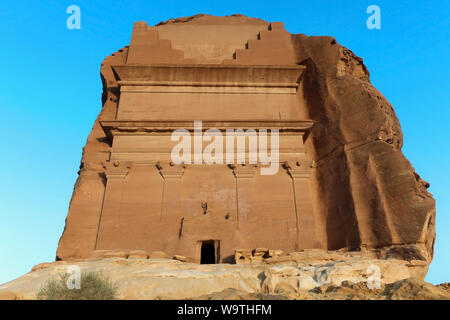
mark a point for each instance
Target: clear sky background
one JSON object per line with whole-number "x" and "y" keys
{"x": 51, "y": 94}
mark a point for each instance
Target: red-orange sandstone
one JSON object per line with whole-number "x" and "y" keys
{"x": 342, "y": 182}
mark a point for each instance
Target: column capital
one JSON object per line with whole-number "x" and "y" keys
{"x": 243, "y": 170}
{"x": 300, "y": 169}
{"x": 116, "y": 169}
{"x": 170, "y": 170}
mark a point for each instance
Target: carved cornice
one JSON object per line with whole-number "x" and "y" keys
{"x": 209, "y": 75}
{"x": 133, "y": 127}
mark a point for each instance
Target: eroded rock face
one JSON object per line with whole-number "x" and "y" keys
{"x": 368, "y": 193}
{"x": 362, "y": 193}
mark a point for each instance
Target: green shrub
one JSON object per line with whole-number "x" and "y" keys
{"x": 93, "y": 286}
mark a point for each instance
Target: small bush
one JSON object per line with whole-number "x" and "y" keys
{"x": 93, "y": 286}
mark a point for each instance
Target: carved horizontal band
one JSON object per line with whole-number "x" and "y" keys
{"x": 206, "y": 87}
{"x": 209, "y": 74}
{"x": 113, "y": 127}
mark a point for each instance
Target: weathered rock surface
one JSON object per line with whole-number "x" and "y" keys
{"x": 366, "y": 194}
{"x": 8, "y": 295}
{"x": 310, "y": 274}
{"x": 407, "y": 289}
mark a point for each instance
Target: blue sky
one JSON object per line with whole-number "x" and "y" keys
{"x": 51, "y": 94}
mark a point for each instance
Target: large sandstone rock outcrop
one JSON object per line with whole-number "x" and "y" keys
{"x": 309, "y": 274}
{"x": 366, "y": 194}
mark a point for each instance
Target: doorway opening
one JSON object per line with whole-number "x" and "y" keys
{"x": 208, "y": 252}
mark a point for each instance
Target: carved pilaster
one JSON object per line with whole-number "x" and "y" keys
{"x": 244, "y": 174}
{"x": 300, "y": 172}
{"x": 171, "y": 174}
{"x": 115, "y": 172}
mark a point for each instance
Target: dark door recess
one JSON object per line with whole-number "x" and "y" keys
{"x": 208, "y": 253}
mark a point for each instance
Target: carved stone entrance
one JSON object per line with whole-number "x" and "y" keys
{"x": 209, "y": 252}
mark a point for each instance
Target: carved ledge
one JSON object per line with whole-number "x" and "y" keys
{"x": 145, "y": 127}
{"x": 209, "y": 75}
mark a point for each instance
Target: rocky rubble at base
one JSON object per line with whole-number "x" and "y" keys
{"x": 310, "y": 275}
{"x": 407, "y": 289}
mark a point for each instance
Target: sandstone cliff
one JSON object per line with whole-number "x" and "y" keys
{"x": 367, "y": 194}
